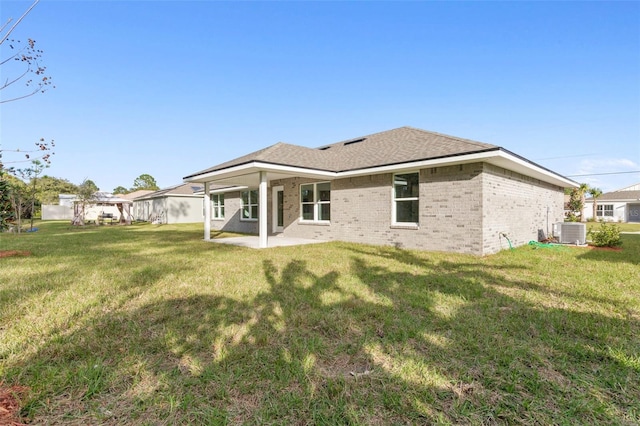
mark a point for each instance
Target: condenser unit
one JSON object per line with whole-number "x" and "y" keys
{"x": 570, "y": 232}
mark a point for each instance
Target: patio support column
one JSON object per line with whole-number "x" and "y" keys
{"x": 207, "y": 211}
{"x": 262, "y": 215}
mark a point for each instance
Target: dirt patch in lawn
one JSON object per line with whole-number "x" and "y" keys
{"x": 10, "y": 397}
{"x": 590, "y": 247}
{"x": 13, "y": 253}
{"x": 606, "y": 248}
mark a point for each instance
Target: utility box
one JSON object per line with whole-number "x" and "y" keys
{"x": 570, "y": 232}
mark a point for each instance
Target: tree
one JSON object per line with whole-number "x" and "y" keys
{"x": 86, "y": 195}
{"x": 89, "y": 186}
{"x": 6, "y": 206}
{"x": 582, "y": 190}
{"x": 576, "y": 203}
{"x": 595, "y": 194}
{"x": 24, "y": 65}
{"x": 145, "y": 181}
{"x": 42, "y": 152}
{"x": 16, "y": 190}
{"x": 50, "y": 188}
{"x": 31, "y": 174}
{"x": 120, "y": 190}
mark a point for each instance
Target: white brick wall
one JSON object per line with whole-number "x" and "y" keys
{"x": 463, "y": 208}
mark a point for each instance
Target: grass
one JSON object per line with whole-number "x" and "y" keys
{"x": 624, "y": 227}
{"x": 150, "y": 325}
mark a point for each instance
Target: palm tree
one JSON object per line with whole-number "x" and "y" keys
{"x": 595, "y": 193}
{"x": 582, "y": 190}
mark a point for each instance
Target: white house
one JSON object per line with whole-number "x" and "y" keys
{"x": 175, "y": 204}
{"x": 622, "y": 205}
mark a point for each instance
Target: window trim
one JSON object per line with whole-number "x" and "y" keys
{"x": 316, "y": 203}
{"x": 216, "y": 206}
{"x": 602, "y": 211}
{"x": 242, "y": 205}
{"x": 394, "y": 200}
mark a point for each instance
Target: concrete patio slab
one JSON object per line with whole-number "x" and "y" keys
{"x": 252, "y": 241}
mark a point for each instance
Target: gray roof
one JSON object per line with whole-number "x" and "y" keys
{"x": 618, "y": 196}
{"x": 397, "y": 146}
{"x": 134, "y": 194}
{"x": 180, "y": 189}
{"x": 107, "y": 197}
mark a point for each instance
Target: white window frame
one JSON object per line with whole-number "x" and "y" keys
{"x": 217, "y": 207}
{"x": 394, "y": 202}
{"x": 316, "y": 203}
{"x": 251, "y": 204}
{"x": 604, "y": 210}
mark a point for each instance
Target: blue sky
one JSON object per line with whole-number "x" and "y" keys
{"x": 169, "y": 88}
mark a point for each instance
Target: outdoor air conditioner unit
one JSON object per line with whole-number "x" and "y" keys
{"x": 570, "y": 232}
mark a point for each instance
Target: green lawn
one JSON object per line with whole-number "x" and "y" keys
{"x": 150, "y": 325}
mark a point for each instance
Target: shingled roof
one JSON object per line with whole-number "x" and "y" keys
{"x": 397, "y": 146}
{"x": 180, "y": 189}
{"x": 618, "y": 196}
{"x": 397, "y": 149}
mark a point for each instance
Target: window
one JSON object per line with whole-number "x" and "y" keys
{"x": 217, "y": 206}
{"x": 405, "y": 198}
{"x": 604, "y": 210}
{"x": 250, "y": 205}
{"x": 315, "y": 201}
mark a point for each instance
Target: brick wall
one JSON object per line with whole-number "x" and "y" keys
{"x": 232, "y": 222}
{"x": 463, "y": 208}
{"x": 518, "y": 206}
{"x": 450, "y": 211}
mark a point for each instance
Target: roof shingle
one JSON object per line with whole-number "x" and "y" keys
{"x": 397, "y": 146}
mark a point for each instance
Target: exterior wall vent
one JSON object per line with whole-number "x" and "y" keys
{"x": 570, "y": 232}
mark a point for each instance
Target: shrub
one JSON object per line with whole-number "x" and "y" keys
{"x": 607, "y": 236}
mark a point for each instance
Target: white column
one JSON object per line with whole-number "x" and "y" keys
{"x": 207, "y": 211}
{"x": 262, "y": 215}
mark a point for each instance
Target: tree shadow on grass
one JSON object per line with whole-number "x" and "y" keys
{"x": 383, "y": 344}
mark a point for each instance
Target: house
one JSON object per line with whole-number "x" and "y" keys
{"x": 405, "y": 187}
{"x": 135, "y": 215}
{"x": 622, "y": 205}
{"x": 103, "y": 205}
{"x": 175, "y": 204}
{"x": 61, "y": 211}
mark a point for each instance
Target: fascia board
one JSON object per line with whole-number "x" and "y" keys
{"x": 256, "y": 166}
{"x": 513, "y": 162}
{"x": 436, "y": 162}
{"x": 498, "y": 157}
{"x": 223, "y": 190}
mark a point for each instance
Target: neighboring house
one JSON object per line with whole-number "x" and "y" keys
{"x": 622, "y": 205}
{"x": 66, "y": 199}
{"x": 405, "y": 187}
{"x": 61, "y": 211}
{"x": 103, "y": 204}
{"x": 175, "y": 204}
{"x": 135, "y": 214}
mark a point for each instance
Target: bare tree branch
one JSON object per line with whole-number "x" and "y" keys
{"x": 6, "y": 36}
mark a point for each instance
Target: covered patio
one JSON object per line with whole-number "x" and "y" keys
{"x": 253, "y": 171}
